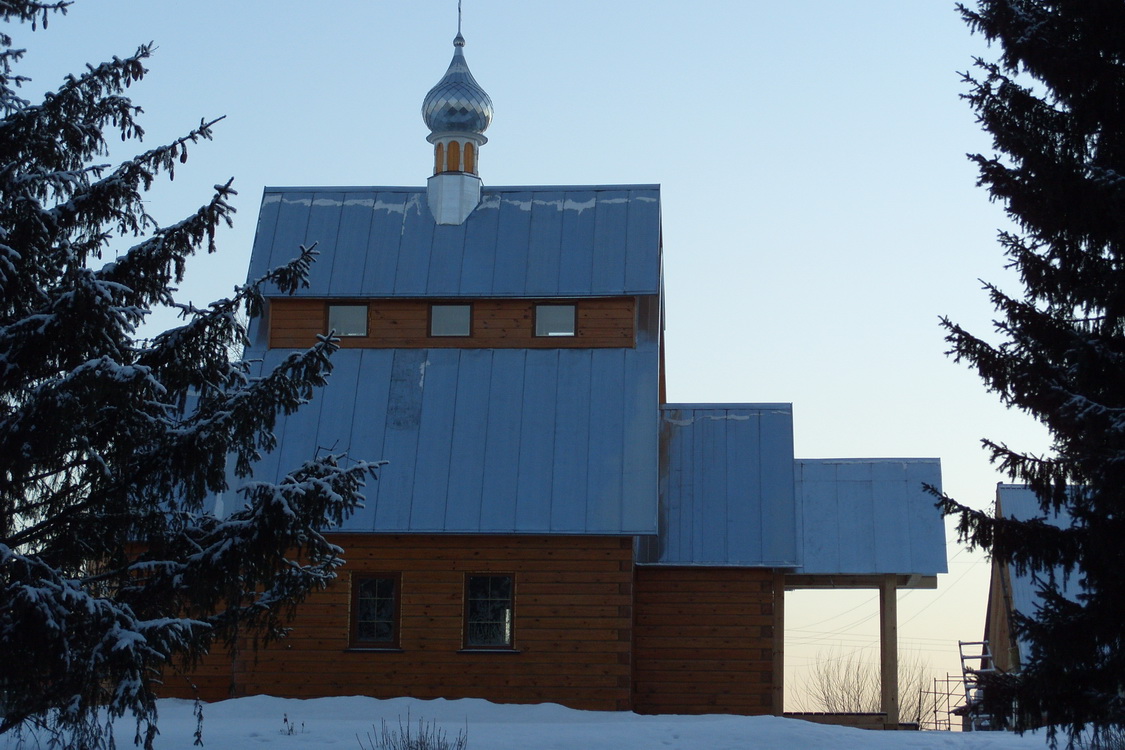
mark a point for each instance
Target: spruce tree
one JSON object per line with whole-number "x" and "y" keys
{"x": 1054, "y": 103}
{"x": 112, "y": 570}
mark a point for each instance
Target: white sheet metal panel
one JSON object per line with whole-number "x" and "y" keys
{"x": 489, "y": 440}
{"x": 726, "y": 486}
{"x": 519, "y": 242}
{"x": 869, "y": 516}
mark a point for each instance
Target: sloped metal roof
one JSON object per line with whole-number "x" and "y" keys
{"x": 488, "y": 440}
{"x": 519, "y": 242}
{"x": 869, "y": 516}
{"x": 726, "y": 487}
{"x": 1019, "y": 502}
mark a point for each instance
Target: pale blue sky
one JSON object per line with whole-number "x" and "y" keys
{"x": 818, "y": 211}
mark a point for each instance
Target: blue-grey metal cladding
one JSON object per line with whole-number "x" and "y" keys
{"x": 869, "y": 516}
{"x": 726, "y": 487}
{"x": 519, "y": 242}
{"x": 489, "y": 440}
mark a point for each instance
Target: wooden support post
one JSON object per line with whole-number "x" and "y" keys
{"x": 778, "y": 697}
{"x": 888, "y": 650}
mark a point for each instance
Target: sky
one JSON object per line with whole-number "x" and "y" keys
{"x": 356, "y": 722}
{"x": 819, "y": 213}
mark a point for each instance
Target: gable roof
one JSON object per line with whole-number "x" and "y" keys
{"x": 519, "y": 242}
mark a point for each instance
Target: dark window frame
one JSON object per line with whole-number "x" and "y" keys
{"x": 466, "y": 642}
{"x": 430, "y": 320}
{"x": 366, "y": 319}
{"x": 354, "y": 640}
{"x": 535, "y": 320}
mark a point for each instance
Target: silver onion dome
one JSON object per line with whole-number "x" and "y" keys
{"x": 457, "y": 103}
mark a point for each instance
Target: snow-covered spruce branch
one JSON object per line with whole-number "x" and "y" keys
{"x": 146, "y": 269}
{"x": 99, "y": 654}
{"x": 196, "y": 356}
{"x": 250, "y": 568}
{"x": 80, "y": 324}
{"x": 79, "y": 111}
{"x": 245, "y": 417}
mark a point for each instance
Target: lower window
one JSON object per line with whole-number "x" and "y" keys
{"x": 375, "y": 611}
{"x": 489, "y": 611}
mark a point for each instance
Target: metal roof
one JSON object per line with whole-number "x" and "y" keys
{"x": 1019, "y": 502}
{"x": 869, "y": 516}
{"x": 519, "y": 242}
{"x": 488, "y": 440}
{"x": 726, "y": 486}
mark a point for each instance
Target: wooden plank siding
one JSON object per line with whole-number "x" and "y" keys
{"x": 705, "y": 641}
{"x": 496, "y": 323}
{"x": 572, "y": 630}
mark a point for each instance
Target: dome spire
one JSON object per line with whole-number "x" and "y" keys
{"x": 457, "y": 111}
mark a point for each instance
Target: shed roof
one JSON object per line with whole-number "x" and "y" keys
{"x": 726, "y": 486}
{"x": 519, "y": 242}
{"x": 869, "y": 516}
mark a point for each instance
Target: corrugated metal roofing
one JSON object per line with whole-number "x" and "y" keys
{"x": 520, "y": 241}
{"x": 869, "y": 516}
{"x": 726, "y": 486}
{"x": 489, "y": 440}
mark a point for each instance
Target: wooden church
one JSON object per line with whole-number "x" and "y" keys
{"x": 547, "y": 527}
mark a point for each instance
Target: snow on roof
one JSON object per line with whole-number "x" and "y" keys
{"x": 519, "y": 242}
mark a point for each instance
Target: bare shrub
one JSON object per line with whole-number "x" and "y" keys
{"x": 427, "y": 736}
{"x": 847, "y": 684}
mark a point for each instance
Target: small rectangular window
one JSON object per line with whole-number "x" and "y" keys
{"x": 450, "y": 320}
{"x": 488, "y": 611}
{"x": 554, "y": 320}
{"x": 348, "y": 320}
{"x": 375, "y": 611}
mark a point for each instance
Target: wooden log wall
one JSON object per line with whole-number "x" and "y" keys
{"x": 705, "y": 641}
{"x": 572, "y": 627}
{"x": 496, "y": 323}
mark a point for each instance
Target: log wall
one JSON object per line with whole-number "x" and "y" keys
{"x": 496, "y": 323}
{"x": 572, "y": 629}
{"x": 705, "y": 641}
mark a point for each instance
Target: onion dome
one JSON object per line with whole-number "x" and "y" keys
{"x": 457, "y": 104}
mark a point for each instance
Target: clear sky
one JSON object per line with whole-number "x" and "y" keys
{"x": 819, "y": 213}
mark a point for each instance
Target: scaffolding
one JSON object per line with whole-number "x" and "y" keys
{"x": 942, "y": 704}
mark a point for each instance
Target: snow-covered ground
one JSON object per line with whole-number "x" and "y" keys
{"x": 258, "y": 722}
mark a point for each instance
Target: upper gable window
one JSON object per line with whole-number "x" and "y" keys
{"x": 451, "y": 320}
{"x": 348, "y": 320}
{"x": 554, "y": 320}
